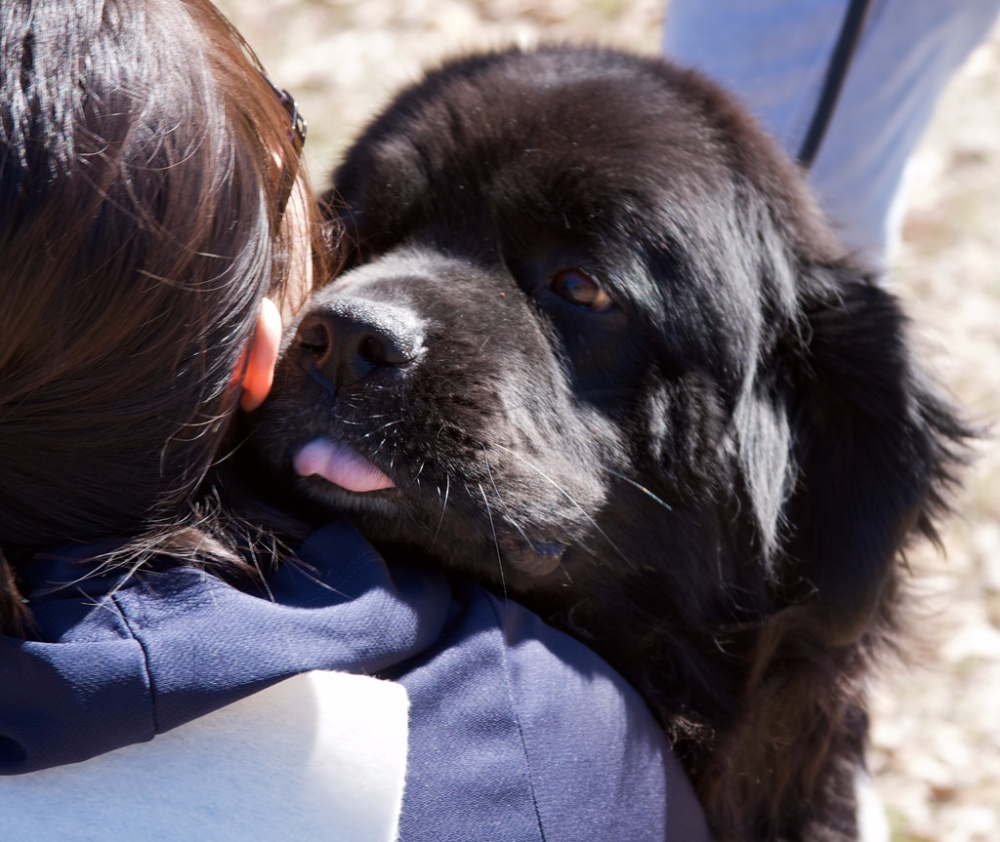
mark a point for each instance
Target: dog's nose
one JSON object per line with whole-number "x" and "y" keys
{"x": 347, "y": 340}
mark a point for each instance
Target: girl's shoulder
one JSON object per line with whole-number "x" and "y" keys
{"x": 515, "y": 730}
{"x": 519, "y": 732}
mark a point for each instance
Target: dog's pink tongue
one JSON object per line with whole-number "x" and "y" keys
{"x": 340, "y": 465}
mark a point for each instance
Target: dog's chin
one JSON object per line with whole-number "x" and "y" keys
{"x": 387, "y": 515}
{"x": 532, "y": 558}
{"x": 386, "y": 502}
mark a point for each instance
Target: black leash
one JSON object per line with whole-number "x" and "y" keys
{"x": 840, "y": 61}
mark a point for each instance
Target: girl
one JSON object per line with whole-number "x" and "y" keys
{"x": 154, "y": 226}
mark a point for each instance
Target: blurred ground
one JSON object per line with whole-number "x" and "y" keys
{"x": 936, "y": 754}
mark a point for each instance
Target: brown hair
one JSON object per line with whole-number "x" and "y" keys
{"x": 139, "y": 231}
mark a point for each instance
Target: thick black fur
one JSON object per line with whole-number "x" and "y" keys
{"x": 708, "y": 476}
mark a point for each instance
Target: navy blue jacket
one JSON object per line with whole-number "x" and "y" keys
{"x": 517, "y": 732}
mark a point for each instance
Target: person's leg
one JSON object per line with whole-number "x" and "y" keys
{"x": 855, "y": 129}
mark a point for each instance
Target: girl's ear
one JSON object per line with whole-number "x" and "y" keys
{"x": 262, "y": 356}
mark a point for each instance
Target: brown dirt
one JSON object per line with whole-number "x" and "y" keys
{"x": 936, "y": 743}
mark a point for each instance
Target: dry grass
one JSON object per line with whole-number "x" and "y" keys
{"x": 936, "y": 753}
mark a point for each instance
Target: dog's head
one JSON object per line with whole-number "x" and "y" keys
{"x": 595, "y": 326}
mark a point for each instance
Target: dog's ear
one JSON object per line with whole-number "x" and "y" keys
{"x": 873, "y": 449}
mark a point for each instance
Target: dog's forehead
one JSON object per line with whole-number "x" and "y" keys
{"x": 571, "y": 134}
{"x": 583, "y": 120}
{"x": 511, "y": 123}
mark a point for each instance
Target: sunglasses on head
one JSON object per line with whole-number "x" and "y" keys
{"x": 297, "y": 136}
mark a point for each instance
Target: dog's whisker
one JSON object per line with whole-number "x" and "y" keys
{"x": 510, "y": 517}
{"x": 642, "y": 488}
{"x": 496, "y": 543}
{"x": 379, "y": 446}
{"x": 308, "y": 571}
{"x": 444, "y": 507}
{"x": 611, "y": 392}
{"x": 571, "y": 499}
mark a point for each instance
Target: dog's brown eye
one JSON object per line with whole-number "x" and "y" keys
{"x": 580, "y": 289}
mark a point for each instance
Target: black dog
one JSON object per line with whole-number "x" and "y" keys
{"x": 608, "y": 358}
